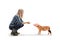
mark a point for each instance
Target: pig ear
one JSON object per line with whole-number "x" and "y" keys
{"x": 34, "y": 24}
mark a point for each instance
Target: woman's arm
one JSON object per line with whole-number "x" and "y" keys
{"x": 26, "y": 23}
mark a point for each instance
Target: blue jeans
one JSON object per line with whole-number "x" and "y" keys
{"x": 16, "y": 26}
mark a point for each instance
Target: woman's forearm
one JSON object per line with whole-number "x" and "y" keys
{"x": 26, "y": 23}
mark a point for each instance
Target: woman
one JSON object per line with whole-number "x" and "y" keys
{"x": 17, "y": 22}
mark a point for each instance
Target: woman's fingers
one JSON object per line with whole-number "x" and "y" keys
{"x": 28, "y": 22}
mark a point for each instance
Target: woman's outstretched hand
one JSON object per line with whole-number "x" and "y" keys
{"x": 26, "y": 22}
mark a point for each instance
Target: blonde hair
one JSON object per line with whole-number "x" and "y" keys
{"x": 20, "y": 10}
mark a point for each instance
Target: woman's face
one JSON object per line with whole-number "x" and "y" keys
{"x": 20, "y": 13}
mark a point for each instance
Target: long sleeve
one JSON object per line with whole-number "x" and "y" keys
{"x": 16, "y": 23}
{"x": 16, "y": 20}
{"x": 13, "y": 22}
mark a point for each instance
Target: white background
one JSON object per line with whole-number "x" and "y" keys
{"x": 44, "y": 12}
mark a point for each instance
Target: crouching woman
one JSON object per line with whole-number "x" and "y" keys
{"x": 17, "y": 23}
